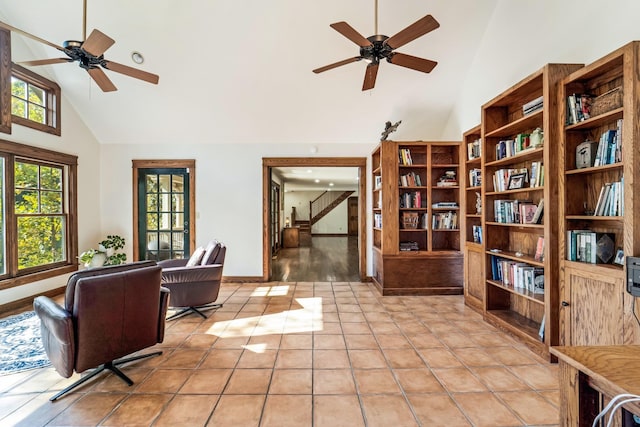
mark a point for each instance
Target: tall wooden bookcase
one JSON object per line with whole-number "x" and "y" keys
{"x": 595, "y": 308}
{"x": 533, "y": 317}
{"x": 471, "y": 227}
{"x": 416, "y": 233}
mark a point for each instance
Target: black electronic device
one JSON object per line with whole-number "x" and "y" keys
{"x": 633, "y": 276}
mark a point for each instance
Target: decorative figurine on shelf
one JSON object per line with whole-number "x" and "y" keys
{"x": 388, "y": 128}
{"x": 478, "y": 203}
{"x": 536, "y": 138}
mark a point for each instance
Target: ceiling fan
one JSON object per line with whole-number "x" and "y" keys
{"x": 377, "y": 47}
{"x": 89, "y": 54}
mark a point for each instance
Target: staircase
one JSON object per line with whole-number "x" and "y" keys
{"x": 325, "y": 203}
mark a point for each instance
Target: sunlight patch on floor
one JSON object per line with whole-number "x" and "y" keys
{"x": 308, "y": 318}
{"x": 271, "y": 291}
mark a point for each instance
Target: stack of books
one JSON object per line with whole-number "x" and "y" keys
{"x": 533, "y": 106}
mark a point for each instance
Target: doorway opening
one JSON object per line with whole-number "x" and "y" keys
{"x": 290, "y": 228}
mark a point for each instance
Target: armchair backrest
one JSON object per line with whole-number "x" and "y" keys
{"x": 214, "y": 253}
{"x": 115, "y": 313}
{"x": 69, "y": 294}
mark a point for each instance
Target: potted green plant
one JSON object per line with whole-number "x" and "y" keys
{"x": 106, "y": 253}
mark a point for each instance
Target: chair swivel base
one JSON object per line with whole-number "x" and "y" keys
{"x": 110, "y": 366}
{"x": 196, "y": 310}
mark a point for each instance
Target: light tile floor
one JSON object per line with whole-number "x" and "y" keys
{"x": 310, "y": 354}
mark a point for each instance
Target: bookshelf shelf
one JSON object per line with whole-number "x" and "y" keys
{"x": 536, "y": 298}
{"x": 618, "y": 137}
{"x": 517, "y": 310}
{"x": 522, "y": 258}
{"x": 522, "y": 124}
{"x": 594, "y": 122}
{"x": 522, "y": 156}
{"x": 522, "y": 326}
{"x": 594, "y": 169}
{"x": 409, "y": 242}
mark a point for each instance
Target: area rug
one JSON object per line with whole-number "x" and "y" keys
{"x": 20, "y": 344}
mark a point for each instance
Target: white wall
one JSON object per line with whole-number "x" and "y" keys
{"x": 524, "y": 35}
{"x": 228, "y": 191}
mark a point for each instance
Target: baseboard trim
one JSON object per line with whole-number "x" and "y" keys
{"x": 242, "y": 279}
{"x": 27, "y": 303}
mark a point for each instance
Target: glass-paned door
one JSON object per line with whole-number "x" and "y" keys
{"x": 163, "y": 213}
{"x": 275, "y": 217}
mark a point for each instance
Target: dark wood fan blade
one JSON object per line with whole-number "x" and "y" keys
{"x": 419, "y": 28}
{"x": 132, "y": 72}
{"x": 337, "y": 64}
{"x": 97, "y": 43}
{"x": 102, "y": 80}
{"x": 413, "y": 62}
{"x": 31, "y": 36}
{"x": 370, "y": 76}
{"x": 45, "y": 61}
{"x": 349, "y": 32}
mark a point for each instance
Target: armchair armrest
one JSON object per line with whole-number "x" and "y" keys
{"x": 172, "y": 263}
{"x": 57, "y": 334}
{"x": 198, "y": 273}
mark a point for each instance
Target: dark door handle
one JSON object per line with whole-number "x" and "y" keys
{"x": 565, "y": 304}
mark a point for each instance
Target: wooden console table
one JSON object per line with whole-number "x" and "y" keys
{"x": 589, "y": 373}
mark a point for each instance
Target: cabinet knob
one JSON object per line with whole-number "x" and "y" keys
{"x": 565, "y": 304}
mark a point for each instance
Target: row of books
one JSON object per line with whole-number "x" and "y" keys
{"x": 501, "y": 177}
{"x": 611, "y": 199}
{"x": 475, "y": 177}
{"x": 377, "y": 220}
{"x": 474, "y": 149}
{"x": 578, "y": 107}
{"x": 533, "y": 105}
{"x": 410, "y": 179}
{"x": 444, "y": 221}
{"x": 476, "y": 230}
{"x": 590, "y": 246}
{"x": 404, "y": 156}
{"x": 536, "y": 178}
{"x": 517, "y": 211}
{"x": 610, "y": 146}
{"x": 520, "y": 275}
{"x": 511, "y": 147}
{"x": 412, "y": 200}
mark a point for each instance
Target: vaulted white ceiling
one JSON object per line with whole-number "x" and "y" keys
{"x": 235, "y": 71}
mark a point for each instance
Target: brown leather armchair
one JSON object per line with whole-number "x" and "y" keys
{"x": 108, "y": 313}
{"x": 195, "y": 288}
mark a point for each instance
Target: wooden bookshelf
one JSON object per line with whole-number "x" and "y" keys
{"x": 471, "y": 152}
{"x": 595, "y": 308}
{"x": 417, "y": 251}
{"x": 514, "y": 308}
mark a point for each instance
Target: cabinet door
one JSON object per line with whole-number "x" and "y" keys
{"x": 595, "y": 311}
{"x": 474, "y": 277}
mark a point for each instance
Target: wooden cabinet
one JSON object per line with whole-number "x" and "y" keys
{"x": 595, "y": 308}
{"x": 514, "y": 272}
{"x": 471, "y": 226}
{"x": 416, "y": 203}
{"x": 291, "y": 237}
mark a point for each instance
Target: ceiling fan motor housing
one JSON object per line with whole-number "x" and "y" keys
{"x": 377, "y": 50}
{"x": 73, "y": 49}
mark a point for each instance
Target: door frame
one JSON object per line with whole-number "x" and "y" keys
{"x": 190, "y": 165}
{"x": 271, "y": 162}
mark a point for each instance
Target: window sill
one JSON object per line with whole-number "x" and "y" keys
{"x": 34, "y": 277}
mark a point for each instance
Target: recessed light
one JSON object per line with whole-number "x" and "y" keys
{"x": 137, "y": 57}
{"x": 309, "y": 171}
{"x": 317, "y": 180}
{"x": 331, "y": 184}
